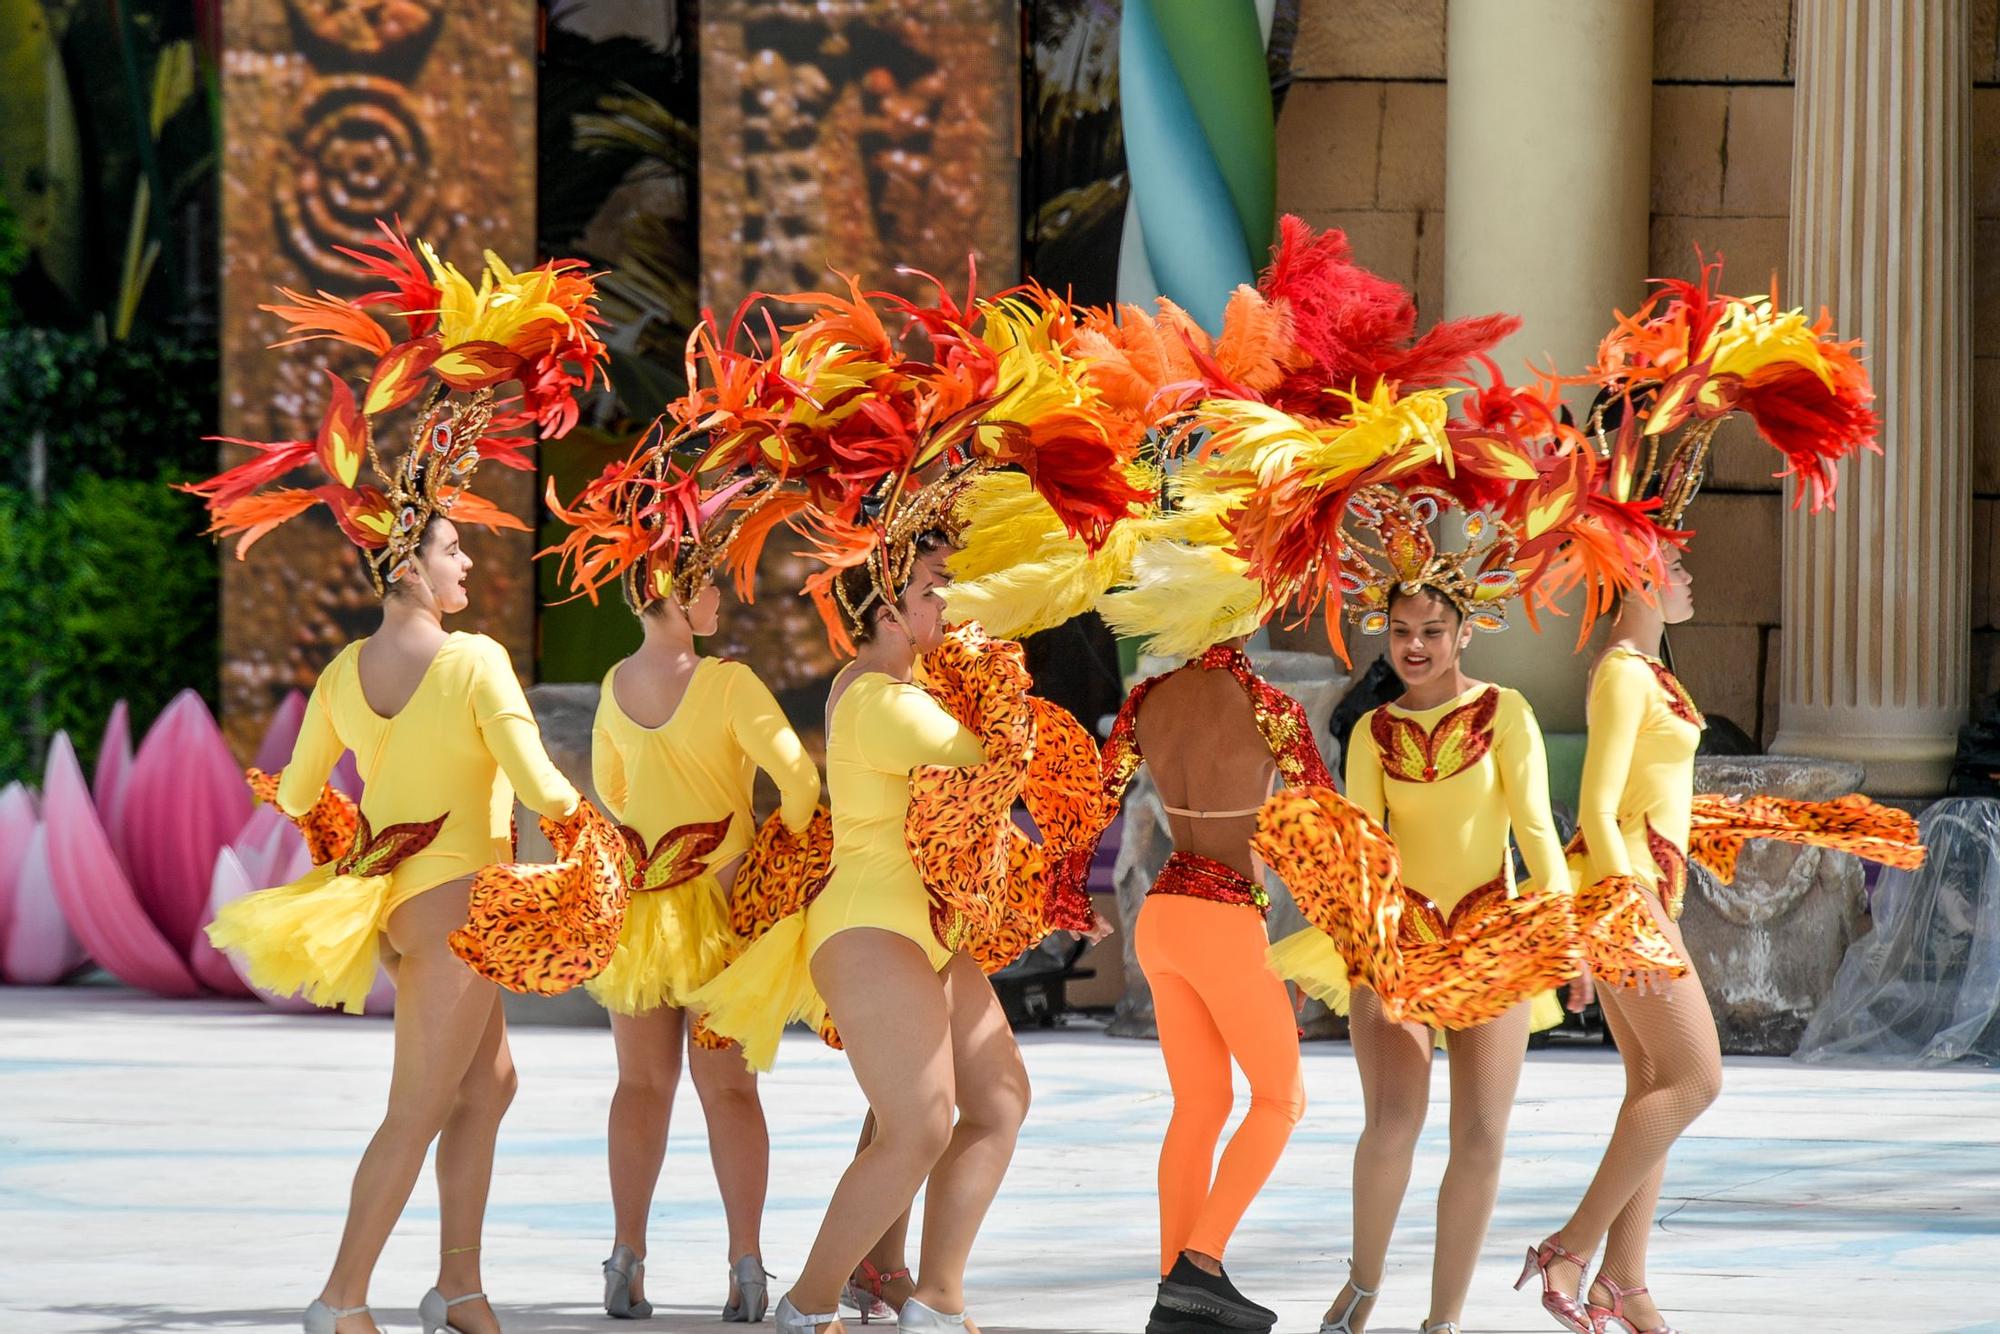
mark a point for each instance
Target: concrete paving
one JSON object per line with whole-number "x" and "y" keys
{"x": 184, "y": 1166}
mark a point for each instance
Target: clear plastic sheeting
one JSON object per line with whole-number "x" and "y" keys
{"x": 1923, "y": 988}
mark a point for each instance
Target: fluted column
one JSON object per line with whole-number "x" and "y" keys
{"x": 1548, "y": 129}
{"x": 1877, "y": 627}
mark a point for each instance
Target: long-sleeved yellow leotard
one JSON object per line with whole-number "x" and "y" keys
{"x": 1450, "y": 783}
{"x": 1633, "y": 808}
{"x": 879, "y": 730}
{"x": 441, "y": 778}
{"x": 682, "y": 792}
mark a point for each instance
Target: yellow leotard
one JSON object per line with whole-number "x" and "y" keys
{"x": 696, "y": 769}
{"x": 1638, "y": 773}
{"x": 880, "y": 729}
{"x": 1450, "y": 783}
{"x": 457, "y": 753}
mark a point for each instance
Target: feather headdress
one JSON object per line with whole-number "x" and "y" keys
{"x": 533, "y": 329}
{"x": 876, "y": 412}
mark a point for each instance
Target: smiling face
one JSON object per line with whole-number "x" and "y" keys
{"x": 1426, "y": 636}
{"x": 439, "y": 568}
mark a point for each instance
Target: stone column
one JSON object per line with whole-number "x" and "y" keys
{"x": 1877, "y": 622}
{"x": 1548, "y": 132}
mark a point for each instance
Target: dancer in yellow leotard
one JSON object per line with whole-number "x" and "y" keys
{"x": 873, "y": 434}
{"x": 440, "y": 731}
{"x": 675, "y": 749}
{"x": 1637, "y": 820}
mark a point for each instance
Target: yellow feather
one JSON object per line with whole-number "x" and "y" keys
{"x": 1182, "y": 598}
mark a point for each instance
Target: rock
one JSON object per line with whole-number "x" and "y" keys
{"x": 1317, "y": 683}
{"x": 1769, "y": 945}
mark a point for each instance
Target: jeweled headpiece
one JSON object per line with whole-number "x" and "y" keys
{"x": 531, "y": 328}
{"x": 1387, "y": 546}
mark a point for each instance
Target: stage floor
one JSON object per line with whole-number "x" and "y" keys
{"x": 184, "y": 1166}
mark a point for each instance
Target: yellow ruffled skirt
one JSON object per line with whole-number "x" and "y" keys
{"x": 1310, "y": 959}
{"x": 673, "y": 942}
{"x": 317, "y": 937}
{"x": 766, "y": 987}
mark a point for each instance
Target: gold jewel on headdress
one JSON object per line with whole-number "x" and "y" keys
{"x": 428, "y": 481}
{"x": 1479, "y": 579}
{"x": 891, "y": 558}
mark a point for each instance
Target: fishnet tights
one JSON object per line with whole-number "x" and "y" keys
{"x": 1673, "y": 1071}
{"x": 1395, "y": 1067}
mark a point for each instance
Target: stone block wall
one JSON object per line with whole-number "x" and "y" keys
{"x": 1361, "y": 146}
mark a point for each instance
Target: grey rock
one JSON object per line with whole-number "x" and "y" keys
{"x": 1769, "y": 945}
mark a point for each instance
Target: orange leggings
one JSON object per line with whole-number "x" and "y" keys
{"x": 1214, "y": 999}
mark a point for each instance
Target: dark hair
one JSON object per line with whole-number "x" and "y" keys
{"x": 423, "y": 542}
{"x": 1397, "y": 593}
{"x": 855, "y": 587}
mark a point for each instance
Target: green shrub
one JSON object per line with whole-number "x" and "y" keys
{"x": 107, "y": 587}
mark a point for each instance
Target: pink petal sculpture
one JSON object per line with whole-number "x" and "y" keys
{"x": 96, "y": 897}
{"x": 114, "y": 770}
{"x": 184, "y": 802}
{"x": 36, "y": 947}
{"x": 275, "y": 751}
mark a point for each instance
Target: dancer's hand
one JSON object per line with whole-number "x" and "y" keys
{"x": 1582, "y": 991}
{"x": 1100, "y": 927}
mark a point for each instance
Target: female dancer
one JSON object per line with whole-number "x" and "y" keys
{"x": 1638, "y": 817}
{"x": 444, "y": 740}
{"x": 676, "y": 746}
{"x": 920, "y": 1024}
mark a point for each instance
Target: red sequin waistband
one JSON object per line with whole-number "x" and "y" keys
{"x": 1197, "y": 877}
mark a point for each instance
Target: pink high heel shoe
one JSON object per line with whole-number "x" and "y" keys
{"x": 1567, "y": 1307}
{"x": 1601, "y": 1315}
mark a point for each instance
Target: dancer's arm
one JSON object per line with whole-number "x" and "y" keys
{"x": 508, "y": 726}
{"x": 607, "y": 769}
{"x": 905, "y": 727}
{"x": 1524, "y": 782}
{"x": 1617, "y": 708}
{"x": 1365, "y": 783}
{"x": 314, "y": 754}
{"x": 766, "y": 736}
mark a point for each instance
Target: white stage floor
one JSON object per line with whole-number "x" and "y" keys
{"x": 184, "y": 1166}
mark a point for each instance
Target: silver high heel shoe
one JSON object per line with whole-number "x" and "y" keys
{"x": 1441, "y": 1327}
{"x": 753, "y": 1292}
{"x": 922, "y": 1319}
{"x": 435, "y": 1311}
{"x": 1345, "y": 1325}
{"x": 621, "y": 1271}
{"x": 790, "y": 1320}
{"x": 321, "y": 1318}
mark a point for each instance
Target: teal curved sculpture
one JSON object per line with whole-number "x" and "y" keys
{"x": 1200, "y": 147}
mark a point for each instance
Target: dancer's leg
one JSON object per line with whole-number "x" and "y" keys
{"x": 890, "y": 1008}
{"x": 1197, "y": 1063}
{"x": 442, "y": 1011}
{"x": 739, "y": 1143}
{"x": 1394, "y": 1061}
{"x": 465, "y": 1169}
{"x": 1673, "y": 1071}
{"x": 990, "y": 1082}
{"x": 890, "y": 1255}
{"x": 649, "y": 1070}
{"x": 1254, "y": 1015}
{"x": 1485, "y": 1071}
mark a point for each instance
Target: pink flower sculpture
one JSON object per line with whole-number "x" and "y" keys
{"x": 136, "y": 862}
{"x": 36, "y": 947}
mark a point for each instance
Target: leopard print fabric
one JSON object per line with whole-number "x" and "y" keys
{"x": 547, "y": 928}
{"x": 1851, "y": 824}
{"x": 328, "y": 827}
{"x": 782, "y": 873}
{"x": 959, "y": 820}
{"x": 1446, "y": 971}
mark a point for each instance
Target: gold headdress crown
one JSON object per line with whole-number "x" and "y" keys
{"x": 1478, "y": 579}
